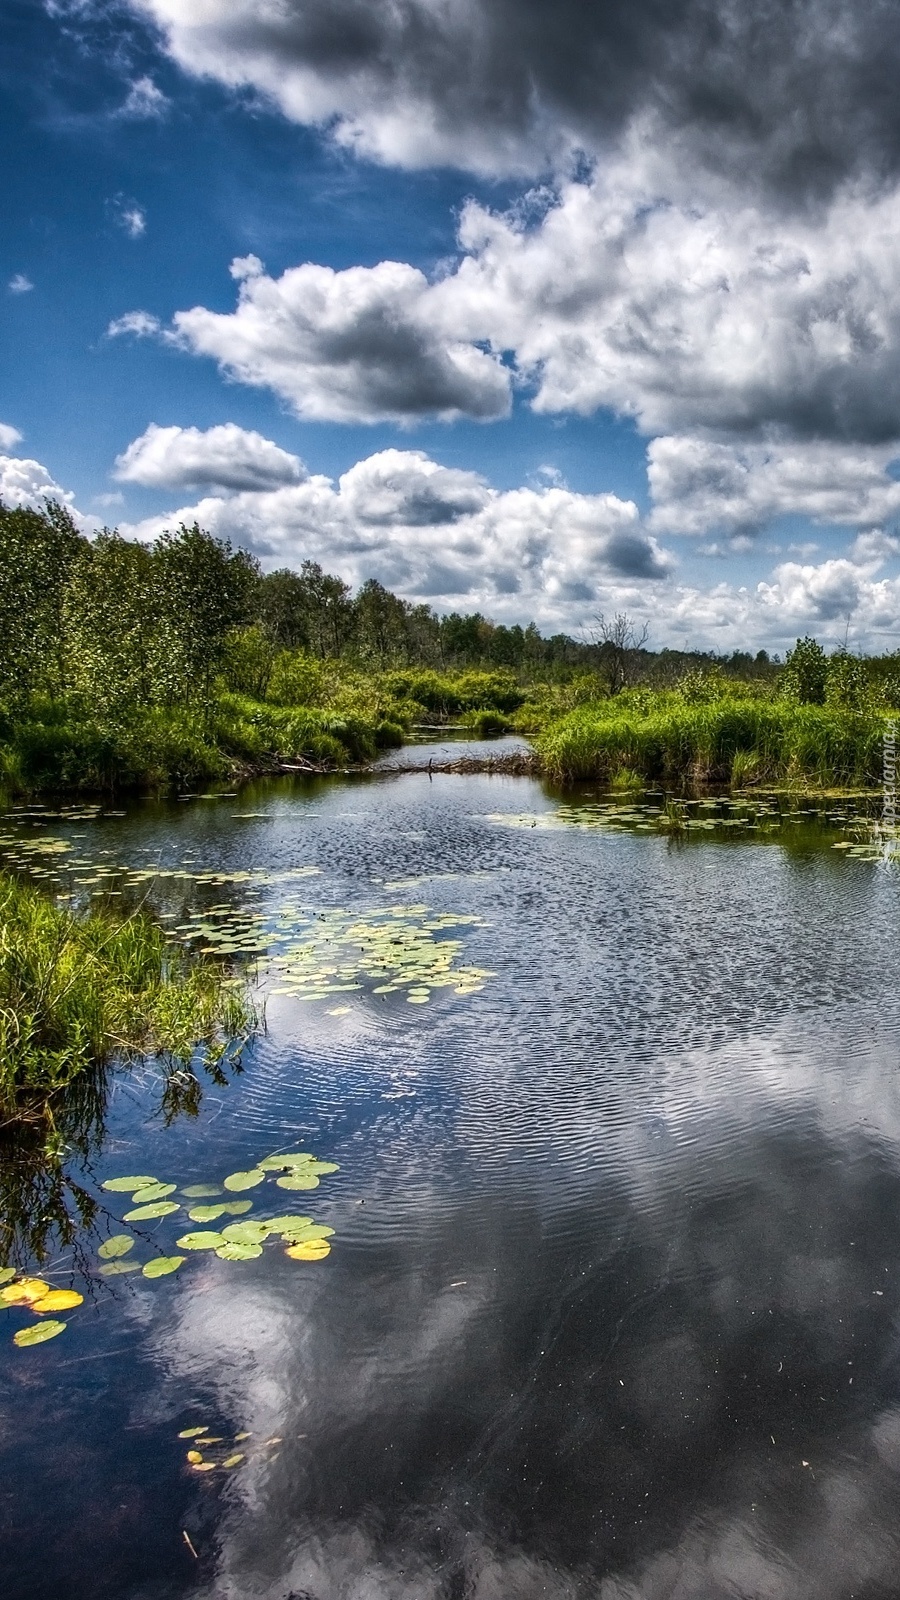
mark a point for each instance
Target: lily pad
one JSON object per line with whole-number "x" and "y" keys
{"x": 154, "y": 1191}
{"x": 6, "y": 1273}
{"x": 289, "y": 1224}
{"x": 233, "y": 1461}
{"x": 309, "y": 1250}
{"x": 38, "y": 1333}
{"x": 244, "y": 1180}
{"x": 194, "y": 1456}
{"x": 58, "y": 1300}
{"x": 298, "y": 1180}
{"x": 250, "y": 1232}
{"x": 235, "y": 1250}
{"x": 200, "y": 1241}
{"x": 118, "y": 1245}
{"x": 160, "y": 1208}
{"x": 225, "y": 1208}
{"x": 24, "y": 1292}
{"x": 127, "y": 1185}
{"x": 281, "y": 1163}
{"x": 199, "y": 1191}
{"x": 161, "y": 1266}
{"x": 191, "y": 1433}
{"x": 117, "y": 1269}
{"x": 303, "y": 1235}
{"x": 323, "y": 1167}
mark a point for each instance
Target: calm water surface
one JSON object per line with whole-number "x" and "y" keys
{"x": 612, "y": 1305}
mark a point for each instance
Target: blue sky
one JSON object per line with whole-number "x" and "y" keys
{"x": 606, "y": 370}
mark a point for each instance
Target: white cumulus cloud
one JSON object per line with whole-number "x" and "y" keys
{"x": 226, "y": 456}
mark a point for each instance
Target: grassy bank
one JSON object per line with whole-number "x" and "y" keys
{"x": 731, "y": 740}
{"x": 77, "y": 992}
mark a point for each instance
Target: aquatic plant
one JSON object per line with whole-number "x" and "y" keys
{"x": 79, "y": 991}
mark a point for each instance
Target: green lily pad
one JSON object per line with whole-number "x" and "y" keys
{"x": 234, "y": 1250}
{"x": 160, "y": 1208}
{"x": 281, "y": 1163}
{"x": 162, "y": 1266}
{"x": 321, "y": 1168}
{"x": 298, "y": 1180}
{"x": 224, "y": 1208}
{"x": 289, "y": 1223}
{"x": 116, "y": 1269}
{"x": 191, "y": 1433}
{"x": 244, "y": 1180}
{"x": 154, "y": 1191}
{"x": 246, "y": 1232}
{"x": 6, "y": 1273}
{"x": 314, "y": 1231}
{"x": 199, "y": 1191}
{"x": 38, "y": 1333}
{"x": 118, "y": 1245}
{"x": 127, "y": 1185}
{"x": 200, "y": 1241}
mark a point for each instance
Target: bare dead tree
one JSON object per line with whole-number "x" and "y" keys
{"x": 620, "y": 640}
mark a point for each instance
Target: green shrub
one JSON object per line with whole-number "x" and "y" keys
{"x": 486, "y": 724}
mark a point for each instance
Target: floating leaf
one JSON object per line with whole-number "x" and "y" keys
{"x": 200, "y": 1241}
{"x": 204, "y": 1466}
{"x": 194, "y": 1455}
{"x": 239, "y": 1436}
{"x": 281, "y": 1163}
{"x": 38, "y": 1333}
{"x": 127, "y": 1185}
{"x": 247, "y": 1232}
{"x": 161, "y": 1208}
{"x": 302, "y": 1235}
{"x": 233, "y": 1461}
{"x": 162, "y": 1266}
{"x": 225, "y": 1208}
{"x": 58, "y": 1300}
{"x": 25, "y": 1291}
{"x": 244, "y": 1180}
{"x": 155, "y": 1191}
{"x": 6, "y": 1273}
{"x": 198, "y": 1191}
{"x": 191, "y": 1433}
{"x": 298, "y": 1180}
{"x": 289, "y": 1223}
{"x": 309, "y": 1250}
{"x": 116, "y": 1269}
{"x": 118, "y": 1245}
{"x": 234, "y": 1250}
{"x": 323, "y": 1167}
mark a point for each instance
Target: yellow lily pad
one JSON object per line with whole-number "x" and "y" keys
{"x": 58, "y": 1300}
{"x": 309, "y": 1250}
{"x": 24, "y": 1292}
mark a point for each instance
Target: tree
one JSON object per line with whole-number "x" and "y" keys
{"x": 805, "y": 673}
{"x": 38, "y": 550}
{"x": 116, "y": 653}
{"x": 620, "y": 643}
{"x": 204, "y": 589}
{"x": 380, "y": 620}
{"x": 282, "y": 607}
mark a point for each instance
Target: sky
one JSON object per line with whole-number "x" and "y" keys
{"x": 545, "y": 308}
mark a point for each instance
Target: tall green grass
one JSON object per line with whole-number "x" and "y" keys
{"x": 80, "y": 991}
{"x": 665, "y": 738}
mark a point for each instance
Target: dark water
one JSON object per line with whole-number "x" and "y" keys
{"x": 612, "y": 1305}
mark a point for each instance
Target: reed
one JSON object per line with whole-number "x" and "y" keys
{"x": 78, "y": 992}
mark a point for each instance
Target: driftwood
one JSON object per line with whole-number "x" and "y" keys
{"x": 510, "y": 763}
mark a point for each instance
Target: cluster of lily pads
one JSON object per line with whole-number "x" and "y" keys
{"x": 302, "y": 1237}
{"x": 224, "y": 1457}
{"x": 713, "y": 813}
{"x": 318, "y": 954}
{"x": 243, "y": 1240}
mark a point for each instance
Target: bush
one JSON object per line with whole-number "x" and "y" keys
{"x": 485, "y": 724}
